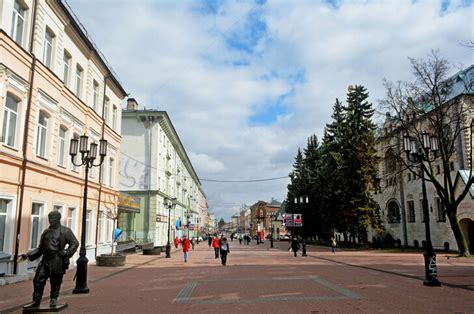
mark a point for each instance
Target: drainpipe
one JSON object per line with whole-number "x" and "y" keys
{"x": 23, "y": 165}
{"x": 25, "y": 141}
{"x": 100, "y": 170}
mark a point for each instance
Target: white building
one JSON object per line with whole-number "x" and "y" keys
{"x": 155, "y": 167}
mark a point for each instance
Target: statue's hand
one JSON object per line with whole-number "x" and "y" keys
{"x": 24, "y": 256}
{"x": 63, "y": 253}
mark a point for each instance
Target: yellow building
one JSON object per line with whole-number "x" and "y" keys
{"x": 54, "y": 86}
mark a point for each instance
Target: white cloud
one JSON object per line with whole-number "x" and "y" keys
{"x": 171, "y": 56}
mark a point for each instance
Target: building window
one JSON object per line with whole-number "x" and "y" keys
{"x": 48, "y": 48}
{"x": 72, "y": 166}
{"x": 62, "y": 146}
{"x": 4, "y": 204}
{"x": 89, "y": 227}
{"x": 111, "y": 171}
{"x": 66, "y": 67}
{"x": 79, "y": 72}
{"x": 36, "y": 211}
{"x": 422, "y": 213}
{"x": 71, "y": 212}
{"x": 441, "y": 210}
{"x": 95, "y": 99}
{"x": 411, "y": 211}
{"x": 103, "y": 173}
{"x": 114, "y": 118}
{"x": 393, "y": 212}
{"x": 102, "y": 222}
{"x": 42, "y": 135}
{"x": 106, "y": 110}
{"x": 18, "y": 23}
{"x": 10, "y": 119}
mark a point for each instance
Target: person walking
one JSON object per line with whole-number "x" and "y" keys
{"x": 333, "y": 245}
{"x": 295, "y": 246}
{"x": 215, "y": 245}
{"x": 224, "y": 250}
{"x": 209, "y": 240}
{"x": 193, "y": 242}
{"x": 240, "y": 239}
{"x": 185, "y": 243}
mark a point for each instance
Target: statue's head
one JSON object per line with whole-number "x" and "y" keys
{"x": 54, "y": 218}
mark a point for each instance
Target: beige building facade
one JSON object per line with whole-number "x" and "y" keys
{"x": 54, "y": 86}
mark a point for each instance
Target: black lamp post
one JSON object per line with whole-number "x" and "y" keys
{"x": 272, "y": 217}
{"x": 88, "y": 156}
{"x": 171, "y": 204}
{"x": 418, "y": 154}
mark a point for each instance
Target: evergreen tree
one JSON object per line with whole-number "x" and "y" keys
{"x": 360, "y": 160}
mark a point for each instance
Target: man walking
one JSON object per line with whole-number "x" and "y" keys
{"x": 55, "y": 258}
{"x": 215, "y": 245}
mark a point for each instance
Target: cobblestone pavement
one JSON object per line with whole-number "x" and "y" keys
{"x": 262, "y": 280}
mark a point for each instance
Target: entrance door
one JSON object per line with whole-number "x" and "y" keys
{"x": 471, "y": 236}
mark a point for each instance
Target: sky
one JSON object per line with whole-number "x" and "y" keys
{"x": 245, "y": 83}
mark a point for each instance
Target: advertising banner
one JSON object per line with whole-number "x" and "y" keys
{"x": 287, "y": 220}
{"x": 298, "y": 220}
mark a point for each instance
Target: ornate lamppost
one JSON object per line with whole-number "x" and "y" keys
{"x": 171, "y": 204}
{"x": 418, "y": 154}
{"x": 88, "y": 156}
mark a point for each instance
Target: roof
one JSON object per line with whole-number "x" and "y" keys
{"x": 464, "y": 175}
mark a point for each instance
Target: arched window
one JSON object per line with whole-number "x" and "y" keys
{"x": 393, "y": 210}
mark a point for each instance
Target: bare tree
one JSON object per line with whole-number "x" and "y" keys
{"x": 111, "y": 212}
{"x": 442, "y": 106}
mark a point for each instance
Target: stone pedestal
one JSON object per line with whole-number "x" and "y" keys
{"x": 46, "y": 309}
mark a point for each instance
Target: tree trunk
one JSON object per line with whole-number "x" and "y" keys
{"x": 458, "y": 235}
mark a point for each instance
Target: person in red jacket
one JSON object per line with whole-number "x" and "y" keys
{"x": 185, "y": 243}
{"x": 215, "y": 245}
{"x": 176, "y": 242}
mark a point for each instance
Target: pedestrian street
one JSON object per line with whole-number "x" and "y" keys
{"x": 266, "y": 280}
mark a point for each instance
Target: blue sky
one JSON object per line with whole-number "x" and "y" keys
{"x": 247, "y": 82}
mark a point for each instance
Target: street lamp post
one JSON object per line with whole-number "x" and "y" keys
{"x": 171, "y": 204}
{"x": 272, "y": 216}
{"x": 88, "y": 156}
{"x": 420, "y": 154}
{"x": 302, "y": 200}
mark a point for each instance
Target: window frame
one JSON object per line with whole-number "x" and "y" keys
{"x": 114, "y": 117}
{"x": 39, "y": 223}
{"x": 62, "y": 146}
{"x": 7, "y": 119}
{"x": 15, "y": 18}
{"x": 67, "y": 60}
{"x": 95, "y": 96}
{"x": 42, "y": 130}
{"x": 78, "y": 80}
{"x": 48, "y": 54}
{"x": 110, "y": 170}
{"x": 8, "y": 230}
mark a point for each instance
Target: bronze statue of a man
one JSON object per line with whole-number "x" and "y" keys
{"x": 55, "y": 259}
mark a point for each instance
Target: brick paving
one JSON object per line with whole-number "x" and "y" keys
{"x": 263, "y": 280}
